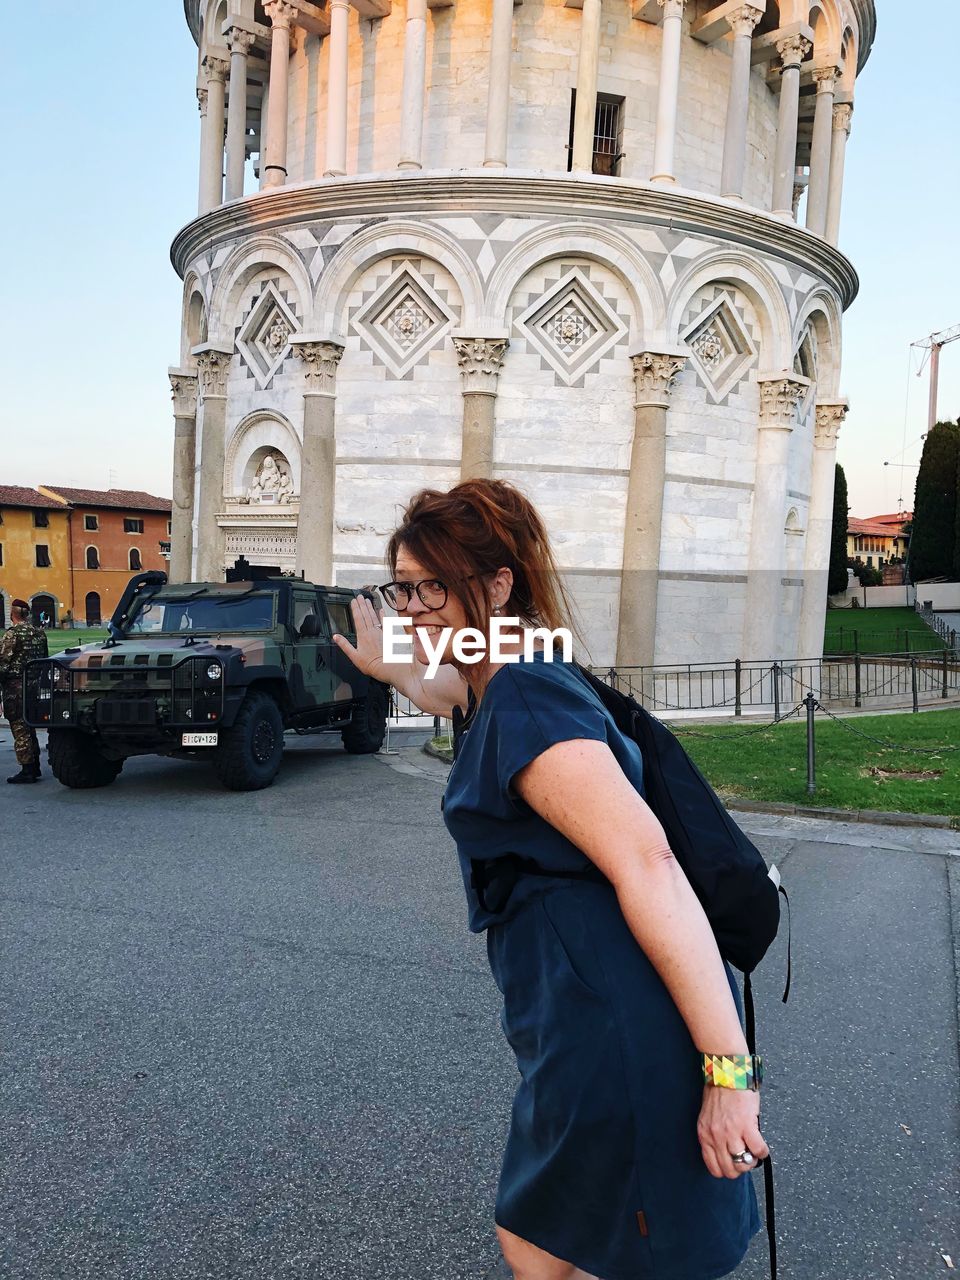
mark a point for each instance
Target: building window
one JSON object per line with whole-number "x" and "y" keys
{"x": 91, "y": 523}
{"x": 43, "y": 556}
{"x": 41, "y": 519}
{"x": 93, "y": 609}
{"x": 131, "y": 525}
{"x": 607, "y": 134}
{"x": 169, "y": 528}
{"x": 1, "y": 555}
{"x": 135, "y": 562}
{"x": 93, "y": 558}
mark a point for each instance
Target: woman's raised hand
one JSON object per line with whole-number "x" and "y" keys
{"x": 730, "y": 1123}
{"x": 367, "y": 654}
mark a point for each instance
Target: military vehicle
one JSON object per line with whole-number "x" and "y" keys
{"x": 206, "y": 669}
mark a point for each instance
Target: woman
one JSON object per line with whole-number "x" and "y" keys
{"x": 621, "y": 1163}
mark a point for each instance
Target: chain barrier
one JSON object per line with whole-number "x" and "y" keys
{"x": 746, "y": 733}
{"x": 890, "y": 746}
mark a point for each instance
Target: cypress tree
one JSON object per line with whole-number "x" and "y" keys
{"x": 933, "y": 543}
{"x": 837, "y": 578}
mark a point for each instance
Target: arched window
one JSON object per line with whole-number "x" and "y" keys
{"x": 92, "y": 608}
{"x": 135, "y": 562}
{"x": 93, "y": 558}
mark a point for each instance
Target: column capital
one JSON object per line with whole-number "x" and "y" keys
{"x": 793, "y": 49}
{"x": 654, "y": 373}
{"x": 480, "y": 360}
{"x": 216, "y": 68}
{"x": 743, "y": 21}
{"x": 830, "y": 418}
{"x": 239, "y": 39}
{"x": 183, "y": 387}
{"x": 321, "y": 357}
{"x": 843, "y": 116}
{"x": 671, "y": 8}
{"x": 826, "y": 78}
{"x": 281, "y": 13}
{"x": 212, "y": 361}
{"x": 781, "y": 395}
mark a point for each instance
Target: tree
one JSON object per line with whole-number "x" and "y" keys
{"x": 934, "y": 538}
{"x": 837, "y": 577}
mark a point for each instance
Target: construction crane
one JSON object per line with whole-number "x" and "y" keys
{"x": 935, "y": 344}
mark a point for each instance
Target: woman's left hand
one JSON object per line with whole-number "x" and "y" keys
{"x": 730, "y": 1123}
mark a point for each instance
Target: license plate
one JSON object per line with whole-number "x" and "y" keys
{"x": 198, "y": 740}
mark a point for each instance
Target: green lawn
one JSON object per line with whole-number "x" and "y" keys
{"x": 771, "y": 764}
{"x": 57, "y": 641}
{"x": 878, "y": 631}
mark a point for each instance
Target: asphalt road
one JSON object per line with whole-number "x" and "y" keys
{"x": 250, "y": 1036}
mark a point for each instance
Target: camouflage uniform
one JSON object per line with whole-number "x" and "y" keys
{"x": 20, "y": 645}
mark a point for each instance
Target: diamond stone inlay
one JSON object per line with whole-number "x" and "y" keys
{"x": 404, "y": 320}
{"x": 572, "y": 326}
{"x": 721, "y": 345}
{"x": 264, "y": 339}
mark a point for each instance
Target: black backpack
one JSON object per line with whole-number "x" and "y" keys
{"x": 725, "y": 868}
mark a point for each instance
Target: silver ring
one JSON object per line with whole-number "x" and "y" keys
{"x": 743, "y": 1157}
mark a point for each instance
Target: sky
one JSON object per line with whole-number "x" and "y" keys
{"x": 101, "y": 171}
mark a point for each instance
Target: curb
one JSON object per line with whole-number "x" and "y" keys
{"x": 877, "y": 817}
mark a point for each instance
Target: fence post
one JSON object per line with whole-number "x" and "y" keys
{"x": 811, "y": 759}
{"x": 913, "y": 682}
{"x": 856, "y": 640}
{"x": 857, "y": 702}
{"x": 436, "y": 726}
{"x": 776, "y": 690}
{"x": 943, "y": 693}
{"x": 737, "y": 669}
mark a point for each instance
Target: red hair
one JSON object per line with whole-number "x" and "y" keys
{"x": 480, "y": 526}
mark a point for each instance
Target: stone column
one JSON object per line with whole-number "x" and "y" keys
{"x": 281, "y": 14}
{"x": 780, "y": 398}
{"x": 211, "y": 133}
{"x": 654, "y": 374}
{"x": 183, "y": 385}
{"x": 742, "y": 23}
{"x": 212, "y": 363}
{"x": 239, "y": 42}
{"x": 337, "y": 66}
{"x": 319, "y": 458}
{"x": 820, "y": 153}
{"x": 816, "y": 566}
{"x": 792, "y": 50}
{"x": 498, "y": 96}
{"x": 480, "y": 361}
{"x": 842, "y": 119}
{"x": 414, "y": 83}
{"x": 588, "y": 62}
{"x": 666, "y": 135}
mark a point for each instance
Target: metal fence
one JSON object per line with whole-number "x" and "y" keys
{"x": 948, "y": 634}
{"x": 743, "y": 687}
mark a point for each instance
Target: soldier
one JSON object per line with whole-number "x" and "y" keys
{"x": 20, "y": 645}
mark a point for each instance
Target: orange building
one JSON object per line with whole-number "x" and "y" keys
{"x": 878, "y": 539}
{"x": 34, "y": 553}
{"x": 113, "y": 534}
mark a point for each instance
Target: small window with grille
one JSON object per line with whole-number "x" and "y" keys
{"x": 607, "y": 134}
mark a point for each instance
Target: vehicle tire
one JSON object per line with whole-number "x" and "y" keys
{"x": 366, "y": 731}
{"x": 250, "y": 751}
{"x": 77, "y": 761}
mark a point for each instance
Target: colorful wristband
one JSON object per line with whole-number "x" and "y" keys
{"x": 737, "y": 1071}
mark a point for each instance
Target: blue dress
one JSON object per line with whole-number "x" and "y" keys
{"x": 602, "y": 1166}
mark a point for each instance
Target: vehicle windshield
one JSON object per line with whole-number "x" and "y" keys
{"x": 207, "y": 614}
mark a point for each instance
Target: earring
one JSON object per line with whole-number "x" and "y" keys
{"x": 496, "y": 609}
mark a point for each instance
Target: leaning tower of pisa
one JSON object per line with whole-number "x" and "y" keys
{"x": 588, "y": 246}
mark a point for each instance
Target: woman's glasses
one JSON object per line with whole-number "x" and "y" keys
{"x": 431, "y": 591}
